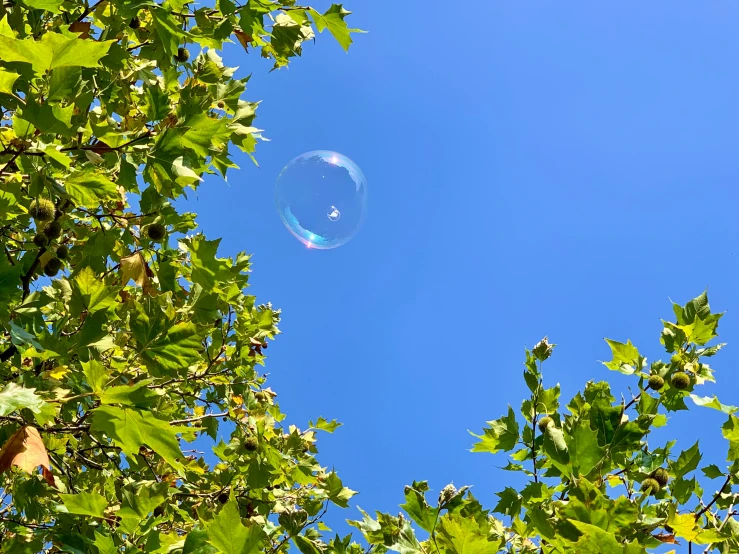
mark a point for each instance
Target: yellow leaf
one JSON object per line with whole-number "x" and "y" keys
{"x": 238, "y": 400}
{"x": 58, "y": 372}
{"x": 199, "y": 410}
{"x": 683, "y": 526}
{"x": 134, "y": 268}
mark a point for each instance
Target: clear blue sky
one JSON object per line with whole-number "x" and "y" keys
{"x": 534, "y": 168}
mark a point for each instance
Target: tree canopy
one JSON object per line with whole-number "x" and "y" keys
{"x": 125, "y": 334}
{"x": 593, "y": 481}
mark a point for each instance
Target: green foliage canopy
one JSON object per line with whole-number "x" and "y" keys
{"x": 594, "y": 483}
{"x": 125, "y": 335}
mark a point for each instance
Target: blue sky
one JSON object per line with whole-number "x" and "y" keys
{"x": 534, "y": 169}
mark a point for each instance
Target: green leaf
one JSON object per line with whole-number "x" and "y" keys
{"x": 583, "y": 448}
{"x": 418, "y": 509}
{"x": 90, "y": 294}
{"x": 325, "y": 425}
{"x": 105, "y": 544}
{"x": 337, "y": 492}
{"x": 197, "y": 543}
{"x": 131, "y": 429}
{"x": 53, "y": 50}
{"x": 714, "y": 403}
{"x": 712, "y": 471}
{"x": 229, "y": 535}
{"x": 333, "y": 20}
{"x": 48, "y": 118}
{"x": 509, "y": 503}
{"x": 46, "y": 5}
{"x": 14, "y": 397}
{"x": 176, "y": 350}
{"x": 96, "y": 374}
{"x": 682, "y": 489}
{"x": 85, "y": 503}
{"x": 138, "y": 504}
{"x": 555, "y": 446}
{"x": 687, "y": 461}
{"x": 464, "y": 535}
{"x": 626, "y": 357}
{"x": 90, "y": 187}
{"x": 7, "y": 79}
{"x": 64, "y": 83}
{"x": 730, "y": 431}
{"x": 21, "y": 337}
{"x": 594, "y": 540}
{"x": 604, "y": 419}
{"x": 502, "y": 434}
{"x": 138, "y": 395}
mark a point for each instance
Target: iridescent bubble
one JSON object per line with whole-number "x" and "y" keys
{"x": 322, "y": 198}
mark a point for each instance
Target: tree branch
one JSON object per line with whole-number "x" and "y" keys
{"x": 715, "y": 498}
{"x": 196, "y": 418}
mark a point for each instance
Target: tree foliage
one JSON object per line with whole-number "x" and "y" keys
{"x": 125, "y": 335}
{"x": 593, "y": 482}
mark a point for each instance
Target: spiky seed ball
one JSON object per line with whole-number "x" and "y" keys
{"x": 183, "y": 54}
{"x": 260, "y": 396}
{"x": 545, "y": 422}
{"x": 223, "y": 498}
{"x": 661, "y": 476}
{"x": 52, "y": 267}
{"x": 53, "y": 229}
{"x": 156, "y": 232}
{"x": 251, "y": 444}
{"x": 221, "y": 104}
{"x": 135, "y": 23}
{"x": 62, "y": 252}
{"x": 680, "y": 380}
{"x": 650, "y": 486}
{"x": 656, "y": 382}
{"x": 41, "y": 240}
{"x": 42, "y": 209}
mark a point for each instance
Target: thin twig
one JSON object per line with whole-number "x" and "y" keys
{"x": 196, "y": 418}
{"x": 715, "y": 498}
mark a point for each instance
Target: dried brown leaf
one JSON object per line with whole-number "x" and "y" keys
{"x": 26, "y": 450}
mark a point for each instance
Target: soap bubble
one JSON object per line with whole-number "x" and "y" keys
{"x": 322, "y": 198}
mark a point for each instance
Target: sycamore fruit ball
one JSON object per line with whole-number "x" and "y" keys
{"x": 221, "y": 104}
{"x": 251, "y": 444}
{"x": 42, "y": 210}
{"x": 53, "y": 230}
{"x": 650, "y": 486}
{"x": 41, "y": 240}
{"x": 680, "y": 380}
{"x": 52, "y": 267}
{"x": 156, "y": 232}
{"x": 661, "y": 476}
{"x": 183, "y": 54}
{"x": 545, "y": 422}
{"x": 656, "y": 382}
{"x": 62, "y": 252}
{"x": 260, "y": 397}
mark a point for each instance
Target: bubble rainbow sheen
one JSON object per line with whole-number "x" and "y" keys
{"x": 322, "y": 198}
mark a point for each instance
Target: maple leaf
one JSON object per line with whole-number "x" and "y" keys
{"x": 26, "y": 450}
